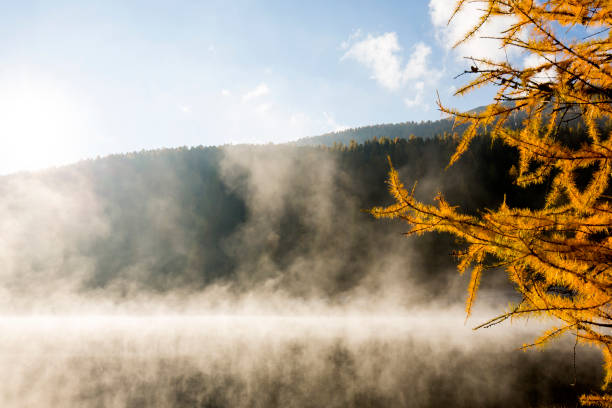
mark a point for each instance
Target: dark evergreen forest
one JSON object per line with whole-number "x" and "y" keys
{"x": 180, "y": 216}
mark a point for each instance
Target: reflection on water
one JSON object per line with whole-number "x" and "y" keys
{"x": 280, "y": 361}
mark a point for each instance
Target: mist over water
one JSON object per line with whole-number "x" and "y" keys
{"x": 271, "y": 361}
{"x": 284, "y": 294}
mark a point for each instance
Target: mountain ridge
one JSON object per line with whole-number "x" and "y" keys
{"x": 404, "y": 130}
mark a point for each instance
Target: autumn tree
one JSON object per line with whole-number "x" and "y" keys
{"x": 559, "y": 256}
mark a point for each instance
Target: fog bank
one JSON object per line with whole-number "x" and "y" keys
{"x": 250, "y": 276}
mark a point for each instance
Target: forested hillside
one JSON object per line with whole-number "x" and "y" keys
{"x": 425, "y": 129}
{"x": 246, "y": 215}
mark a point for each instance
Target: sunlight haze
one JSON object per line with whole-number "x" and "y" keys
{"x": 86, "y": 79}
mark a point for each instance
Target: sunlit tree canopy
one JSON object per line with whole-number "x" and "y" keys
{"x": 555, "y": 111}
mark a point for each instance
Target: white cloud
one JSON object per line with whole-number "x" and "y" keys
{"x": 331, "y": 122}
{"x": 259, "y": 91}
{"x": 449, "y": 34}
{"x": 412, "y": 102}
{"x": 225, "y": 92}
{"x": 416, "y": 67}
{"x": 354, "y": 35}
{"x": 534, "y": 61}
{"x": 417, "y": 100}
{"x": 382, "y": 56}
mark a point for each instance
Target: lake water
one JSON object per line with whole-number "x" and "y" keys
{"x": 417, "y": 359}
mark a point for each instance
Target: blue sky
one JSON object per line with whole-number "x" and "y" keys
{"x": 80, "y": 79}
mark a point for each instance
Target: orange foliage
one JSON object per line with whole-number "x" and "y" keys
{"x": 560, "y": 256}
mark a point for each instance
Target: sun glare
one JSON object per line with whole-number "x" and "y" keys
{"x": 41, "y": 126}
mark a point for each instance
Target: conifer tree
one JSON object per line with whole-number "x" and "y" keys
{"x": 559, "y": 257}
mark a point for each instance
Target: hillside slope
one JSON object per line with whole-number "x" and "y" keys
{"x": 425, "y": 130}
{"x": 243, "y": 216}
